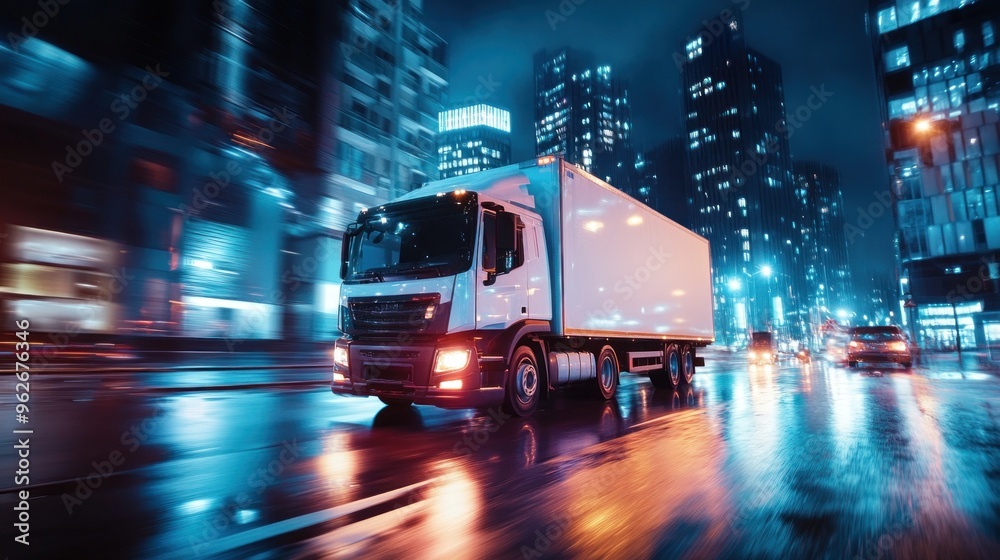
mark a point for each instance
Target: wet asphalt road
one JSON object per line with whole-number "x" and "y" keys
{"x": 765, "y": 462}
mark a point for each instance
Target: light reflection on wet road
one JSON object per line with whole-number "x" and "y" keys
{"x": 789, "y": 461}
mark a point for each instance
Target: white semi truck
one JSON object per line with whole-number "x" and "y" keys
{"x": 497, "y": 287}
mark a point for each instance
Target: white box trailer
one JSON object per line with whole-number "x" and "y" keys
{"x": 497, "y": 287}
{"x": 623, "y": 269}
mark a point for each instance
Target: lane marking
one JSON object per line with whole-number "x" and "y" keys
{"x": 362, "y": 530}
{"x": 251, "y": 536}
{"x": 668, "y": 417}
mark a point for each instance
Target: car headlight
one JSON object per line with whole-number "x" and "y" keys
{"x": 898, "y": 346}
{"x": 451, "y": 360}
{"x": 341, "y": 357}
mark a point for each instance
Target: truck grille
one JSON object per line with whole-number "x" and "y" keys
{"x": 393, "y": 315}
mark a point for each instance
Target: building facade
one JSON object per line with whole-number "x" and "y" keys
{"x": 473, "y": 139}
{"x": 742, "y": 188}
{"x": 171, "y": 145}
{"x": 663, "y": 180}
{"x": 825, "y": 256}
{"x": 583, "y": 113}
{"x": 938, "y": 70}
{"x": 390, "y": 82}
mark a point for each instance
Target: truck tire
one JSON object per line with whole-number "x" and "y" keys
{"x": 396, "y": 402}
{"x": 660, "y": 377}
{"x": 607, "y": 373}
{"x": 687, "y": 364}
{"x": 672, "y": 364}
{"x": 524, "y": 383}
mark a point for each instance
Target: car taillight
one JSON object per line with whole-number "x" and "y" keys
{"x": 898, "y": 346}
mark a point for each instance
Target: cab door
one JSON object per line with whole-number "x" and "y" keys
{"x": 502, "y": 278}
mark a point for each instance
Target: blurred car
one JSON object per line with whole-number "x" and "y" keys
{"x": 836, "y": 348}
{"x": 878, "y": 345}
{"x": 804, "y": 356}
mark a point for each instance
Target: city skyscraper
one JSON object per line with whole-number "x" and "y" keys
{"x": 937, "y": 67}
{"x": 386, "y": 93}
{"x": 663, "y": 180}
{"x": 741, "y": 183}
{"x": 473, "y": 139}
{"x": 582, "y": 112}
{"x": 825, "y": 262}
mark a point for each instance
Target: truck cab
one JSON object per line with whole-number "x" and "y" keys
{"x": 762, "y": 349}
{"x": 429, "y": 284}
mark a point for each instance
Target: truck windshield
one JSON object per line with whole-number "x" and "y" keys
{"x": 422, "y": 238}
{"x": 760, "y": 339}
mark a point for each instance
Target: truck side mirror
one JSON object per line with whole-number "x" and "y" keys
{"x": 345, "y": 249}
{"x": 506, "y": 241}
{"x": 490, "y": 246}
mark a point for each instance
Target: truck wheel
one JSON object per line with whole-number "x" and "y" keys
{"x": 523, "y": 383}
{"x": 607, "y": 373}
{"x": 672, "y": 364}
{"x": 394, "y": 402}
{"x": 687, "y": 363}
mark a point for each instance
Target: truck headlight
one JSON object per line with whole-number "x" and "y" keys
{"x": 341, "y": 357}
{"x": 451, "y": 360}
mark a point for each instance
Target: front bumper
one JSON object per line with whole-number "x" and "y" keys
{"x": 880, "y": 357}
{"x": 477, "y": 398}
{"x": 405, "y": 372}
{"x": 762, "y": 358}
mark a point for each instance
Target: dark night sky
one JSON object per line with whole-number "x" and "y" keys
{"x": 816, "y": 43}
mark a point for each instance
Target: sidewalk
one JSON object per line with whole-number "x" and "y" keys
{"x": 971, "y": 359}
